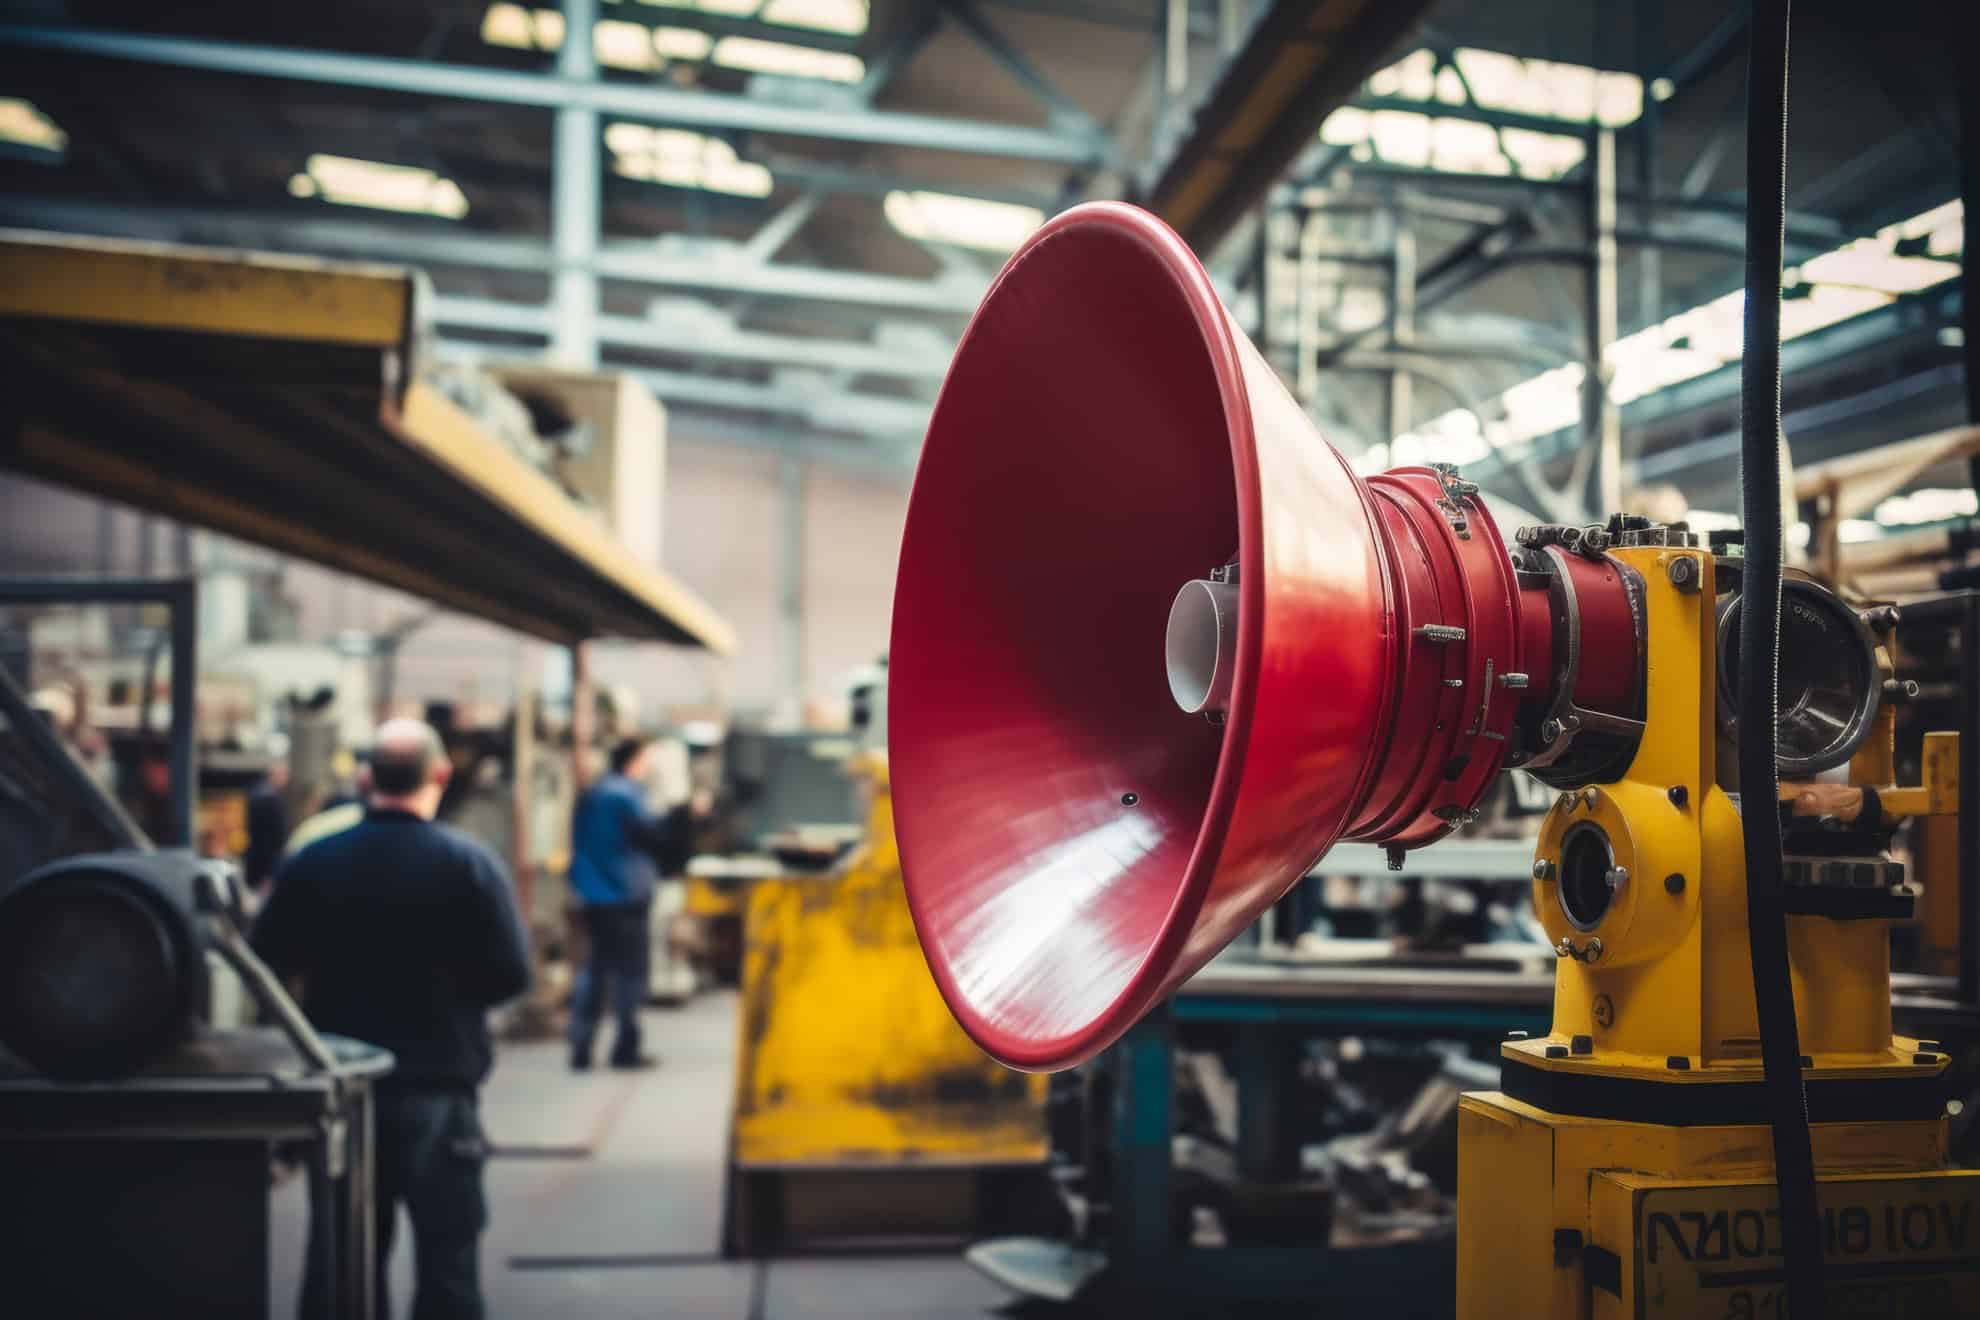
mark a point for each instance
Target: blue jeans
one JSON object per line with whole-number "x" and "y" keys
{"x": 621, "y": 948}
{"x": 430, "y": 1154}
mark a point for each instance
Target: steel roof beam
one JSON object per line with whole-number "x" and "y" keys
{"x": 1914, "y": 314}
{"x": 894, "y": 426}
{"x": 300, "y": 229}
{"x": 649, "y": 15}
{"x": 1066, "y": 114}
{"x": 626, "y": 100}
{"x": 871, "y": 183}
{"x": 1475, "y": 114}
{"x": 714, "y": 341}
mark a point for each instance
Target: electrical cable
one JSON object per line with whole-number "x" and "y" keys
{"x": 1760, "y": 620}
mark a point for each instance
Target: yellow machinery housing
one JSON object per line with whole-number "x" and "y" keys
{"x": 861, "y": 1107}
{"x": 1625, "y": 1168}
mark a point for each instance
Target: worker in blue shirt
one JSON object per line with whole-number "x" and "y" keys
{"x": 619, "y": 850}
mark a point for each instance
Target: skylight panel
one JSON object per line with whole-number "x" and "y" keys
{"x": 1872, "y": 263}
{"x": 1459, "y": 146}
{"x": 1846, "y": 282}
{"x": 1930, "y": 505}
{"x": 963, "y": 221}
{"x": 1547, "y": 89}
{"x": 22, "y": 124}
{"x": 348, "y": 181}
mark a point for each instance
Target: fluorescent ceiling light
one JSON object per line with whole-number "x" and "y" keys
{"x": 347, "y": 181}
{"x": 622, "y": 45}
{"x": 963, "y": 221}
{"x": 846, "y": 17}
{"x": 508, "y": 25}
{"x": 727, "y": 8}
{"x": 790, "y": 61}
{"x": 1571, "y": 93}
{"x": 675, "y": 43}
{"x": 681, "y": 159}
{"x": 1857, "y": 277}
{"x": 549, "y": 25}
{"x": 24, "y": 125}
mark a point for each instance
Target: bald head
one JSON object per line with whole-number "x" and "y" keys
{"x": 407, "y": 762}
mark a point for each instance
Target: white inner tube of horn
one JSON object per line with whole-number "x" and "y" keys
{"x": 1202, "y": 646}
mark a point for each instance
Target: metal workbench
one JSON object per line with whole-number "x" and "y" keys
{"x": 128, "y": 1194}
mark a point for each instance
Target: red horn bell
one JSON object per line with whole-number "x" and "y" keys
{"x": 1156, "y": 648}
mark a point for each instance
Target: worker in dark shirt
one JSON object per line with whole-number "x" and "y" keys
{"x": 618, "y": 852}
{"x": 404, "y": 934}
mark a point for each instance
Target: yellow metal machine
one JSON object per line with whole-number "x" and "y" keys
{"x": 1625, "y": 1167}
{"x": 861, "y": 1107}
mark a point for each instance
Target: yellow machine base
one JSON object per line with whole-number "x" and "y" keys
{"x": 1564, "y": 1216}
{"x": 861, "y": 1107}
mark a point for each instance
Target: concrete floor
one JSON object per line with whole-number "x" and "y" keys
{"x": 631, "y": 1229}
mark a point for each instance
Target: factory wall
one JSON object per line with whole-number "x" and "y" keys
{"x": 723, "y": 518}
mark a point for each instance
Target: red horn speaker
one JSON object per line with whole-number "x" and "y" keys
{"x": 1156, "y": 647}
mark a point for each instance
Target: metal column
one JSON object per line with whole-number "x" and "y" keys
{"x": 790, "y": 582}
{"x": 584, "y": 711}
{"x": 1402, "y": 322}
{"x": 575, "y": 185}
{"x": 1175, "y": 49}
{"x": 1969, "y": 801}
{"x": 1144, "y": 1128}
{"x": 1649, "y": 64}
{"x": 183, "y": 598}
{"x": 1601, "y": 422}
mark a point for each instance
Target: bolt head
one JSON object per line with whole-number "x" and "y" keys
{"x": 1549, "y": 730}
{"x": 1678, "y": 794}
{"x": 1683, "y": 572}
{"x": 1674, "y": 883}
